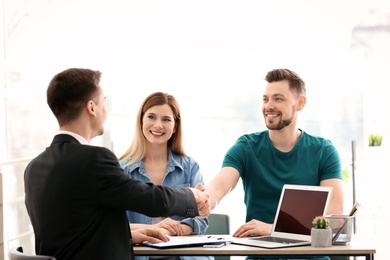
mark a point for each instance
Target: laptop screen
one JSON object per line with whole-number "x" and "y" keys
{"x": 298, "y": 208}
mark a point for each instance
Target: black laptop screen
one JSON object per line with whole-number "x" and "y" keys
{"x": 297, "y": 210}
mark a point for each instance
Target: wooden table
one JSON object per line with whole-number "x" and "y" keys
{"x": 357, "y": 248}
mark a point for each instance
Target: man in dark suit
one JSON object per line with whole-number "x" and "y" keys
{"x": 77, "y": 194}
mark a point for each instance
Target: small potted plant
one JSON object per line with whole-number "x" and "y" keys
{"x": 321, "y": 233}
{"x": 375, "y": 155}
{"x": 375, "y": 139}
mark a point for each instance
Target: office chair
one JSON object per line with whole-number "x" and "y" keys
{"x": 219, "y": 224}
{"x": 16, "y": 253}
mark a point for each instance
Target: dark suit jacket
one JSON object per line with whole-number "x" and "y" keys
{"x": 77, "y": 196}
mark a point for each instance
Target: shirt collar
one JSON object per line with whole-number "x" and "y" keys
{"x": 79, "y": 138}
{"x": 172, "y": 162}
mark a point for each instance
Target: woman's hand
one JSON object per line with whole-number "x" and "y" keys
{"x": 150, "y": 234}
{"x": 173, "y": 227}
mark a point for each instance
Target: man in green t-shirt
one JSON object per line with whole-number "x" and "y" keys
{"x": 283, "y": 154}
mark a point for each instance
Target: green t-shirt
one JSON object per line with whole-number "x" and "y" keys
{"x": 264, "y": 169}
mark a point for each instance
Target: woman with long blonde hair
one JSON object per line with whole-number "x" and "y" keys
{"x": 156, "y": 155}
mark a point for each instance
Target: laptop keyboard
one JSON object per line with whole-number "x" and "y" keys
{"x": 279, "y": 240}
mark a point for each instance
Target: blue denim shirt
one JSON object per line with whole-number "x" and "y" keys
{"x": 182, "y": 171}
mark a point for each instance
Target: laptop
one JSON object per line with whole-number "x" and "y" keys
{"x": 298, "y": 205}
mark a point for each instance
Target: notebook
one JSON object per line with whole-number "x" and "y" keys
{"x": 298, "y": 205}
{"x": 193, "y": 240}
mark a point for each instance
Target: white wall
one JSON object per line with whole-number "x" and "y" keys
{"x": 212, "y": 55}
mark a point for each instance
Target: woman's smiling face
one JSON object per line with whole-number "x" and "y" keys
{"x": 158, "y": 124}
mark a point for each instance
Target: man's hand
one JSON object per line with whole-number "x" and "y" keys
{"x": 152, "y": 235}
{"x": 253, "y": 228}
{"x": 202, "y": 200}
{"x": 173, "y": 227}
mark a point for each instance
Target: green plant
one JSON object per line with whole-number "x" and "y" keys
{"x": 320, "y": 222}
{"x": 375, "y": 139}
{"x": 346, "y": 173}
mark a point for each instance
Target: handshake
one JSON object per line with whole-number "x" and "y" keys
{"x": 202, "y": 198}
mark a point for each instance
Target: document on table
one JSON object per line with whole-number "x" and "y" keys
{"x": 195, "y": 240}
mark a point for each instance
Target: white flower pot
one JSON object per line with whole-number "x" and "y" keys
{"x": 321, "y": 237}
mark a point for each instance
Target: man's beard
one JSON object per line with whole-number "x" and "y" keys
{"x": 282, "y": 123}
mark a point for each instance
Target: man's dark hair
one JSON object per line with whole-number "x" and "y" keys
{"x": 69, "y": 91}
{"x": 296, "y": 84}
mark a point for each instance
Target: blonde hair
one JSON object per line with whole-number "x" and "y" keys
{"x": 138, "y": 148}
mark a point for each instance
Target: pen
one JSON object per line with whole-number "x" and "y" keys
{"x": 218, "y": 238}
{"x": 354, "y": 208}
